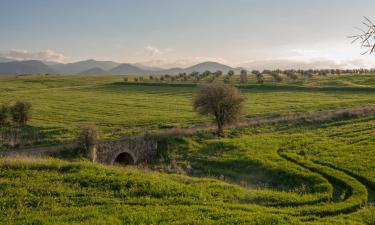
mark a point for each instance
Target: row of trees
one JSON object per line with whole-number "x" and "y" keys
{"x": 277, "y": 75}
{"x": 193, "y": 76}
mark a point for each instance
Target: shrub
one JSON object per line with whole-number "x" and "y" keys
{"x": 87, "y": 137}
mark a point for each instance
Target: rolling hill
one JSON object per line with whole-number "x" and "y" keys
{"x": 79, "y": 67}
{"x": 91, "y": 67}
{"x": 23, "y": 67}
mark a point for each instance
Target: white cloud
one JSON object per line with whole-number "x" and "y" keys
{"x": 154, "y": 51}
{"x": 151, "y": 51}
{"x": 46, "y": 55}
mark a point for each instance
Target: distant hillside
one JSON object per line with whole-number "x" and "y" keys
{"x": 148, "y": 68}
{"x": 94, "y": 71}
{"x": 201, "y": 67}
{"x": 23, "y": 67}
{"x": 90, "y": 67}
{"x": 3, "y": 60}
{"x": 79, "y": 67}
{"x": 128, "y": 69}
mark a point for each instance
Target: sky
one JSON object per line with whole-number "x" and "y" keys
{"x": 171, "y": 33}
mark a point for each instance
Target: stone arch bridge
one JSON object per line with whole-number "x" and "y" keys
{"x": 128, "y": 150}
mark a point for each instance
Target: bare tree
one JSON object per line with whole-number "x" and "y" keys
{"x": 366, "y": 37}
{"x": 224, "y": 102}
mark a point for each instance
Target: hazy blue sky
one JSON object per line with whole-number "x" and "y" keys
{"x": 182, "y": 32}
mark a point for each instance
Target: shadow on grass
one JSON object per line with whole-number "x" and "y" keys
{"x": 29, "y": 136}
{"x": 188, "y": 87}
{"x": 68, "y": 154}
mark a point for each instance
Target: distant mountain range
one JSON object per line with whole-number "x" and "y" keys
{"x": 23, "y": 67}
{"x": 93, "y": 67}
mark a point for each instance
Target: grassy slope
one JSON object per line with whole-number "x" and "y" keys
{"x": 61, "y": 103}
{"x": 278, "y": 191}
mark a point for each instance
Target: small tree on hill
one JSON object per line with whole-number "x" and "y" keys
{"x": 224, "y": 102}
{"x": 218, "y": 73}
{"x": 21, "y": 112}
{"x": 230, "y": 73}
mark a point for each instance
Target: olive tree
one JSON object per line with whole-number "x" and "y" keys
{"x": 218, "y": 73}
{"x": 223, "y": 102}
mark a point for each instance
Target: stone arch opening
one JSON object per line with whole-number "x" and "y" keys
{"x": 124, "y": 158}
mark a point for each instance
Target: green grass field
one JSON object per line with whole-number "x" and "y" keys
{"x": 254, "y": 176}
{"x": 61, "y": 103}
{"x": 300, "y": 172}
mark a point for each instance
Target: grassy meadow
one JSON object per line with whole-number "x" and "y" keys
{"x": 298, "y": 172}
{"x": 256, "y": 175}
{"x": 61, "y": 103}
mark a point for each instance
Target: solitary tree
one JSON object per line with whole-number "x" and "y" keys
{"x": 21, "y": 112}
{"x": 87, "y": 137}
{"x": 230, "y": 73}
{"x": 367, "y": 36}
{"x": 224, "y": 102}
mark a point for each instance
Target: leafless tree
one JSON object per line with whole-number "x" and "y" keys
{"x": 366, "y": 37}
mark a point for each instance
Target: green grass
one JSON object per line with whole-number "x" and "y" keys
{"x": 61, "y": 103}
{"x": 255, "y": 175}
{"x": 302, "y": 172}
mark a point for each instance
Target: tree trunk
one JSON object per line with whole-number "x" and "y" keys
{"x": 220, "y": 129}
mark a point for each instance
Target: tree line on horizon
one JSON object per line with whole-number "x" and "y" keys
{"x": 277, "y": 75}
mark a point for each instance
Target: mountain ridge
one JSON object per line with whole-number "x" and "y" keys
{"x": 90, "y": 67}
